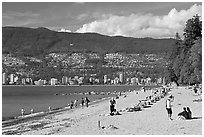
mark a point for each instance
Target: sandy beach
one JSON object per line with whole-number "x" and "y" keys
{"x": 150, "y": 121}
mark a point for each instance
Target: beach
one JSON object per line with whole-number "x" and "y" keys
{"x": 95, "y": 120}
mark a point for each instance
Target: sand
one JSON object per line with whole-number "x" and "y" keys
{"x": 150, "y": 121}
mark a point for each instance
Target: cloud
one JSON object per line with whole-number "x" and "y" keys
{"x": 82, "y": 17}
{"x": 143, "y": 25}
{"x": 64, "y": 30}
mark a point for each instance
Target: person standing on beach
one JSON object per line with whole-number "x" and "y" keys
{"x": 75, "y": 103}
{"x": 71, "y": 105}
{"x": 22, "y": 112}
{"x": 82, "y": 102}
{"x": 86, "y": 100}
{"x": 112, "y": 105}
{"x": 169, "y": 106}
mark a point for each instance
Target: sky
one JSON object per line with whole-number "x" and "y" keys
{"x": 130, "y": 19}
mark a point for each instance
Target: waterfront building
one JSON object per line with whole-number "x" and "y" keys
{"x": 53, "y": 81}
{"x": 133, "y": 81}
{"x": 11, "y": 79}
{"x": 159, "y": 81}
{"x": 112, "y": 81}
{"x": 4, "y": 78}
{"x": 105, "y": 79}
{"x": 121, "y": 77}
{"x": 148, "y": 80}
{"x": 23, "y": 81}
{"x": 64, "y": 80}
{"x": 15, "y": 79}
{"x": 116, "y": 80}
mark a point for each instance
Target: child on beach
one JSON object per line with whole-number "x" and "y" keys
{"x": 169, "y": 106}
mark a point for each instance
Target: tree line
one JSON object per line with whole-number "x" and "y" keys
{"x": 185, "y": 66}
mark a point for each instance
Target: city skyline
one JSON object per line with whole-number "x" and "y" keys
{"x": 131, "y": 19}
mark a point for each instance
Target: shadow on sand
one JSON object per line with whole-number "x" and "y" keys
{"x": 197, "y": 100}
{"x": 195, "y": 118}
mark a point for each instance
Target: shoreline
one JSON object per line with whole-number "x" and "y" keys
{"x": 58, "y": 92}
{"x": 17, "y": 119}
{"x": 7, "y": 124}
{"x": 96, "y": 120}
{"x": 81, "y": 85}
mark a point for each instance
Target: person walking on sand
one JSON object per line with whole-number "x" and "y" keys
{"x": 169, "y": 106}
{"x": 86, "y": 100}
{"x": 82, "y": 102}
{"x": 112, "y": 106}
{"x": 75, "y": 103}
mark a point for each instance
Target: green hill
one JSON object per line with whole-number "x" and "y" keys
{"x": 34, "y": 42}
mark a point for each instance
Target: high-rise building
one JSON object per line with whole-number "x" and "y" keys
{"x": 105, "y": 79}
{"x": 64, "y": 80}
{"x": 16, "y": 79}
{"x": 4, "y": 78}
{"x": 11, "y": 79}
{"x": 121, "y": 77}
{"x": 53, "y": 81}
{"x": 23, "y": 80}
{"x": 133, "y": 81}
{"x": 116, "y": 80}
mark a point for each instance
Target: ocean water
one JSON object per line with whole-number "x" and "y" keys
{"x": 40, "y": 98}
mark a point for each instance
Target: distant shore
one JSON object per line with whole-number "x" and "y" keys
{"x": 81, "y": 85}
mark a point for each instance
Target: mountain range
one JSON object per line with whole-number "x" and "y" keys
{"x": 42, "y": 41}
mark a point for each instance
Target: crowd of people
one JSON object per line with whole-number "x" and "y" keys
{"x": 155, "y": 95}
{"x": 84, "y": 103}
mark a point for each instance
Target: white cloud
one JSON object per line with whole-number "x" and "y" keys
{"x": 64, "y": 30}
{"x": 82, "y": 16}
{"x": 147, "y": 25}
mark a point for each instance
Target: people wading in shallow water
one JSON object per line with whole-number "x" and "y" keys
{"x": 86, "y": 100}
{"x": 22, "y": 112}
{"x": 112, "y": 106}
{"x": 169, "y": 106}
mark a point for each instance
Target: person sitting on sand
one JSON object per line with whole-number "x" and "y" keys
{"x": 189, "y": 113}
{"x": 86, "y": 100}
{"x": 183, "y": 115}
{"x": 195, "y": 89}
{"x": 112, "y": 106}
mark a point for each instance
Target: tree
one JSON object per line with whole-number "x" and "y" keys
{"x": 186, "y": 57}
